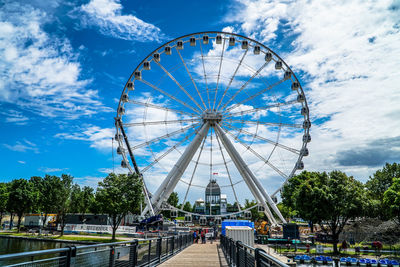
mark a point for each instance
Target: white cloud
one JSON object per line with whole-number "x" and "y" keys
{"x": 48, "y": 170}
{"x": 348, "y": 51}
{"x": 106, "y": 15}
{"x": 14, "y": 116}
{"x": 40, "y": 72}
{"x": 23, "y": 146}
{"x": 99, "y": 138}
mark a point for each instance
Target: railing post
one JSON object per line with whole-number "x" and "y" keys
{"x": 149, "y": 254}
{"x": 237, "y": 243}
{"x": 112, "y": 257}
{"x": 133, "y": 253}
{"x": 245, "y": 256}
{"x": 173, "y": 244}
{"x": 257, "y": 256}
{"x": 67, "y": 255}
{"x": 166, "y": 249}
{"x": 159, "y": 243}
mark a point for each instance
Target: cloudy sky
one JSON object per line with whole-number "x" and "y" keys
{"x": 63, "y": 67}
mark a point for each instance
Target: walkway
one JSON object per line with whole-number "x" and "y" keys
{"x": 198, "y": 255}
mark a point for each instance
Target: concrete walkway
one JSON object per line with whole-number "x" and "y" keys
{"x": 198, "y": 255}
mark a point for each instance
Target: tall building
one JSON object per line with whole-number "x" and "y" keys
{"x": 213, "y": 198}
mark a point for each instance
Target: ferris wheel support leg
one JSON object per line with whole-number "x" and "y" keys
{"x": 239, "y": 163}
{"x": 258, "y": 185}
{"x": 170, "y": 182}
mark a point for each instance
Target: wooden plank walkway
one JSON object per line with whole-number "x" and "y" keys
{"x": 198, "y": 255}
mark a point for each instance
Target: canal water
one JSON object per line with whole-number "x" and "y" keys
{"x": 13, "y": 245}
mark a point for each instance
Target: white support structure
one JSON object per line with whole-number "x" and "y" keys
{"x": 244, "y": 172}
{"x": 168, "y": 185}
{"x": 212, "y": 119}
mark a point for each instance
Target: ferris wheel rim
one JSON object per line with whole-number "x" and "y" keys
{"x": 306, "y": 131}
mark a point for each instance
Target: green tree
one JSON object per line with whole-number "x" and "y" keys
{"x": 255, "y": 215}
{"x": 301, "y": 193}
{"x": 81, "y": 199}
{"x": 117, "y": 195}
{"x": 286, "y": 211}
{"x": 391, "y": 199}
{"x": 187, "y": 207}
{"x": 63, "y": 201}
{"x": 50, "y": 195}
{"x": 173, "y": 200}
{"x": 20, "y": 198}
{"x": 327, "y": 199}
{"x": 76, "y": 199}
{"x": 3, "y": 199}
{"x": 377, "y": 185}
{"x": 87, "y": 201}
{"x": 37, "y": 190}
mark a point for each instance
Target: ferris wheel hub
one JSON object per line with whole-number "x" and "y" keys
{"x": 212, "y": 117}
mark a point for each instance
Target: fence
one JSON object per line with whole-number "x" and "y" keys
{"x": 240, "y": 255}
{"x": 140, "y": 252}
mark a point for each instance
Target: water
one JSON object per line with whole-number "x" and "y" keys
{"x": 13, "y": 245}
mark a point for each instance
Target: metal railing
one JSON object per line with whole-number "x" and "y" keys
{"x": 240, "y": 255}
{"x": 140, "y": 252}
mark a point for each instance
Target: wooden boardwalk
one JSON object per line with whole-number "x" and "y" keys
{"x": 198, "y": 255}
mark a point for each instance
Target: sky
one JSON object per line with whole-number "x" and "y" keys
{"x": 64, "y": 66}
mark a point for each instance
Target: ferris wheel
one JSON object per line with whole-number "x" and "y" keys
{"x": 213, "y": 106}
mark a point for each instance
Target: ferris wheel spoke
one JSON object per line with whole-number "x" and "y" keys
{"x": 205, "y": 75}
{"x": 255, "y": 95}
{"x": 168, "y": 151}
{"x": 144, "y": 123}
{"x": 227, "y": 171}
{"x": 169, "y": 95}
{"x": 296, "y": 151}
{"x": 292, "y": 125}
{"x": 150, "y": 105}
{"x": 179, "y": 85}
{"x": 233, "y": 77}
{"x": 244, "y": 85}
{"x": 191, "y": 78}
{"x": 257, "y": 154}
{"x": 164, "y": 136}
{"x": 219, "y": 73}
{"x": 194, "y": 170}
{"x": 249, "y": 111}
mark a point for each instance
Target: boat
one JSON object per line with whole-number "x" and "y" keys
{"x": 306, "y": 259}
{"x": 319, "y": 259}
{"x": 298, "y": 258}
{"x": 394, "y": 263}
{"x": 384, "y": 262}
{"x": 362, "y": 262}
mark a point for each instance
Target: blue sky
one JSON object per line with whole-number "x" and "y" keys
{"x": 63, "y": 68}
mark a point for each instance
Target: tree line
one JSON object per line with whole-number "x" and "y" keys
{"x": 332, "y": 199}
{"x": 116, "y": 196}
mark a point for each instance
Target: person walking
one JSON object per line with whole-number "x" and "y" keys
{"x": 203, "y": 237}
{"x": 194, "y": 237}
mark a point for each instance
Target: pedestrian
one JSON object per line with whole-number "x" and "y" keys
{"x": 194, "y": 236}
{"x": 203, "y": 237}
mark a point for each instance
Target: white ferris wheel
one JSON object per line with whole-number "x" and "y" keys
{"x": 213, "y": 105}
